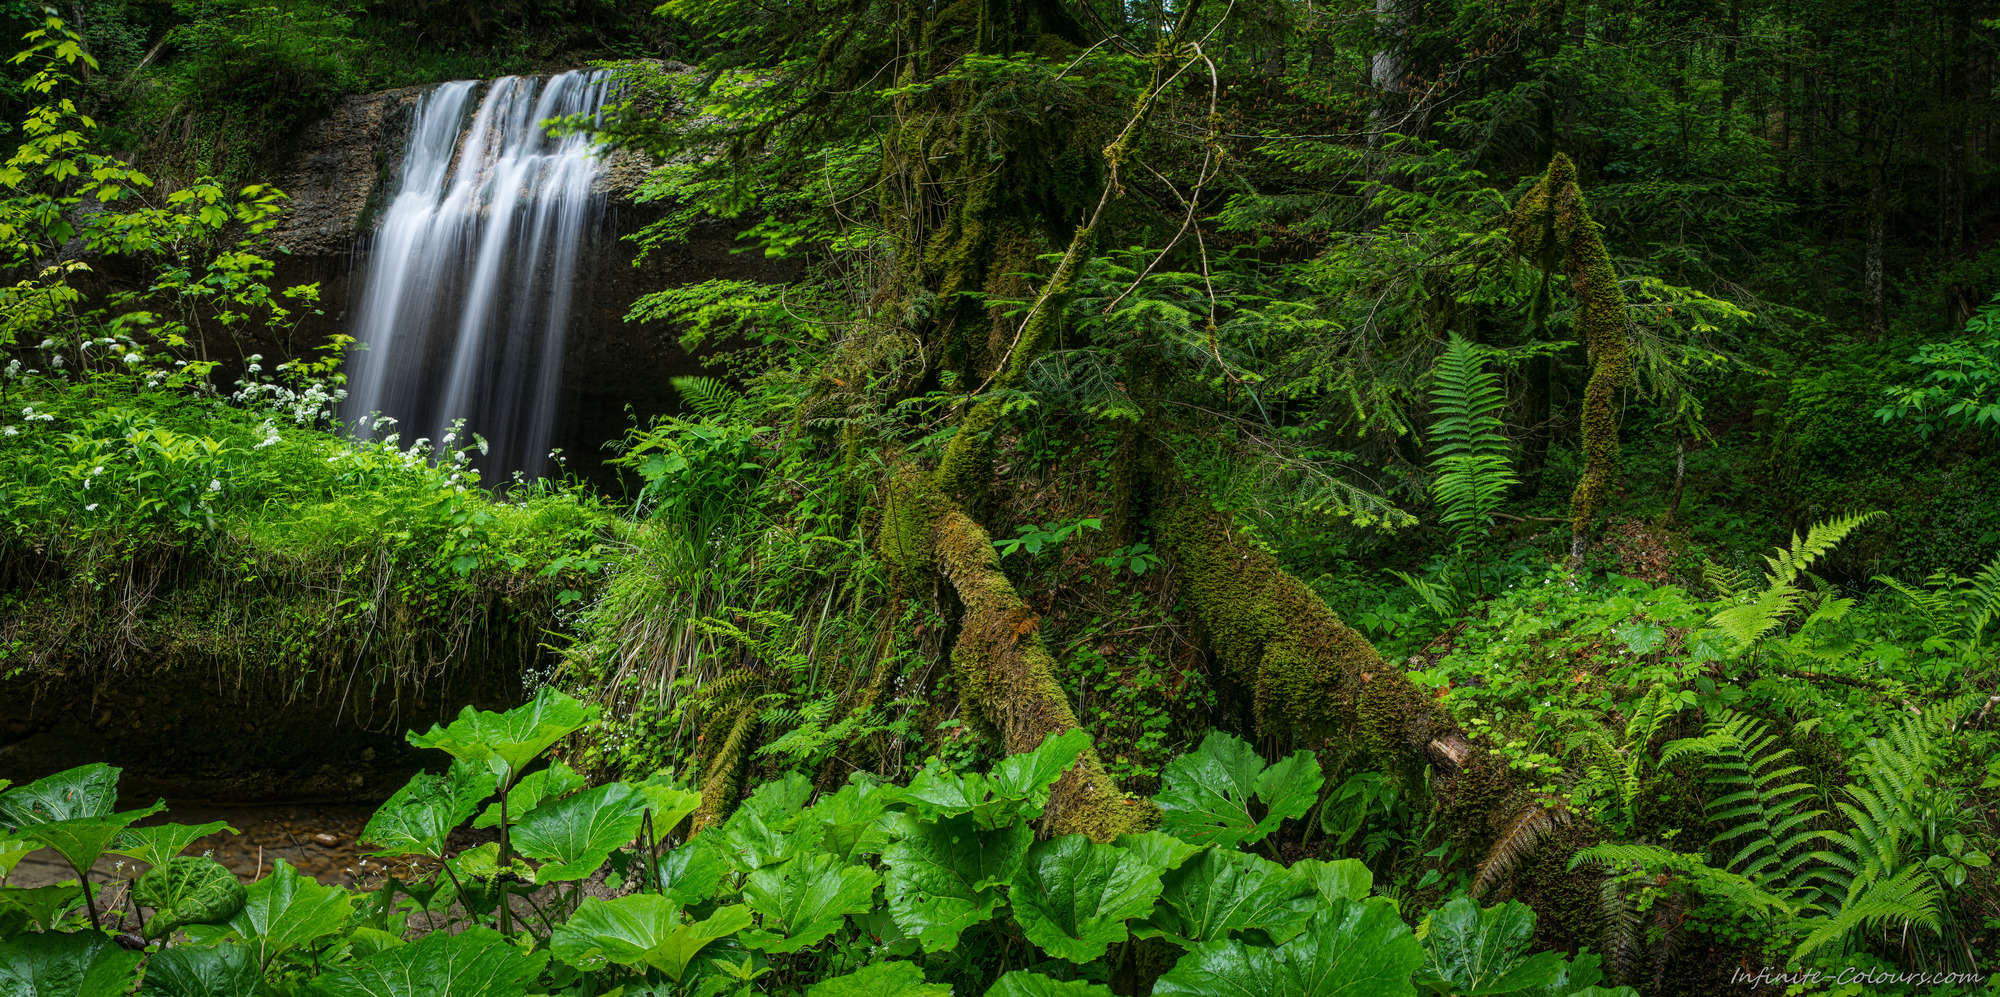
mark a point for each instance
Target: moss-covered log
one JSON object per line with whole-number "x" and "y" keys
{"x": 1312, "y": 675}
{"x": 1552, "y": 227}
{"x": 1006, "y": 677}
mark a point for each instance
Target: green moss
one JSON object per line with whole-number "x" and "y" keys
{"x": 1006, "y": 678}
{"x": 1312, "y": 676}
{"x": 1552, "y": 226}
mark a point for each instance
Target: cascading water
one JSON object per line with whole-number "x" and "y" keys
{"x": 472, "y": 273}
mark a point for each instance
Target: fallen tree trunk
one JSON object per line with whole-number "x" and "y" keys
{"x": 1005, "y": 675}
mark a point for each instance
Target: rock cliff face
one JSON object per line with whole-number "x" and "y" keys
{"x": 344, "y": 171}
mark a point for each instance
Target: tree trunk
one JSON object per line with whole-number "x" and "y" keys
{"x": 1874, "y": 305}
{"x": 1552, "y": 227}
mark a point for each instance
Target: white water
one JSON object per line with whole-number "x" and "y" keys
{"x": 472, "y": 274}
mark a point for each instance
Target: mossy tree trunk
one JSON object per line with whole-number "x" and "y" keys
{"x": 1552, "y": 227}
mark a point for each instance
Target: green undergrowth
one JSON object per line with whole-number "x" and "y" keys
{"x": 176, "y": 529}
{"x": 941, "y": 884}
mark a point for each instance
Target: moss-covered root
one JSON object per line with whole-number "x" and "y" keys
{"x": 1552, "y": 223}
{"x": 1005, "y": 674}
{"x": 1313, "y": 676}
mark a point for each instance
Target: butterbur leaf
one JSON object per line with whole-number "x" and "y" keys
{"x": 1349, "y": 950}
{"x": 1207, "y": 795}
{"x": 1072, "y": 896}
{"x": 1021, "y": 983}
{"x": 805, "y": 900}
{"x": 575, "y": 834}
{"x": 1471, "y": 951}
{"x": 1217, "y": 893}
{"x": 191, "y": 889}
{"x": 769, "y": 827}
{"x": 944, "y": 875}
{"x": 643, "y": 929}
{"x": 882, "y": 979}
{"x": 45, "y": 905}
{"x": 1158, "y": 848}
{"x": 1340, "y": 879}
{"x": 159, "y": 844}
{"x": 850, "y": 821}
{"x": 58, "y": 964}
{"x": 477, "y": 962}
{"x": 1017, "y": 788}
{"x": 669, "y": 806}
{"x": 13, "y": 851}
{"x": 506, "y": 742}
{"x": 542, "y": 784}
{"x": 283, "y": 911}
{"x": 422, "y": 814}
{"x": 692, "y": 872}
{"x": 202, "y": 971}
{"x": 84, "y": 791}
{"x": 479, "y": 875}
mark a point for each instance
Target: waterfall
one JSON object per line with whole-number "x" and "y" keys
{"x": 472, "y": 273}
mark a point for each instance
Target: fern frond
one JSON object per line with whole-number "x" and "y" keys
{"x": 1906, "y": 900}
{"x": 710, "y": 397}
{"x": 1516, "y": 843}
{"x": 1621, "y": 929}
{"x": 1750, "y": 622}
{"x": 1725, "y": 581}
{"x": 1786, "y": 565}
{"x": 1469, "y": 452}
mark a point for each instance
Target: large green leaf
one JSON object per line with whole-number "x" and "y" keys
{"x": 202, "y": 971}
{"x": 770, "y": 826}
{"x": 57, "y": 964}
{"x": 13, "y": 850}
{"x": 575, "y": 834}
{"x": 1207, "y": 795}
{"x": 477, "y": 962}
{"x": 1021, "y": 983}
{"x": 84, "y": 791}
{"x": 160, "y": 843}
{"x": 882, "y": 979}
{"x": 1017, "y": 788}
{"x": 1072, "y": 896}
{"x": 1220, "y": 892}
{"x": 542, "y": 784}
{"x": 191, "y": 889}
{"x": 851, "y": 821}
{"x": 44, "y": 905}
{"x": 422, "y": 814}
{"x": 1350, "y": 950}
{"x": 71, "y": 812}
{"x": 506, "y": 742}
{"x": 669, "y": 805}
{"x": 283, "y": 911}
{"x": 1340, "y": 879}
{"x": 643, "y": 929}
{"x": 805, "y": 900}
{"x": 692, "y": 872}
{"x": 944, "y": 876}
{"x": 1472, "y": 952}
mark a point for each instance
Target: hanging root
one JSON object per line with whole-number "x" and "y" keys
{"x": 1005, "y": 674}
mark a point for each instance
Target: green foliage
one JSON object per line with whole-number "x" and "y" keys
{"x": 1469, "y": 455}
{"x": 1207, "y": 795}
{"x": 79, "y": 964}
{"x": 1961, "y": 384}
{"x": 188, "y": 890}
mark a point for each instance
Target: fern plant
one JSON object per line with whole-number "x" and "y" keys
{"x": 1762, "y": 809}
{"x": 1959, "y": 610}
{"x": 1902, "y": 815}
{"x": 1468, "y": 451}
{"x": 1766, "y": 611}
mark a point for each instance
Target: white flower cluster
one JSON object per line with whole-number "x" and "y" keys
{"x": 30, "y": 415}
{"x": 318, "y": 400}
